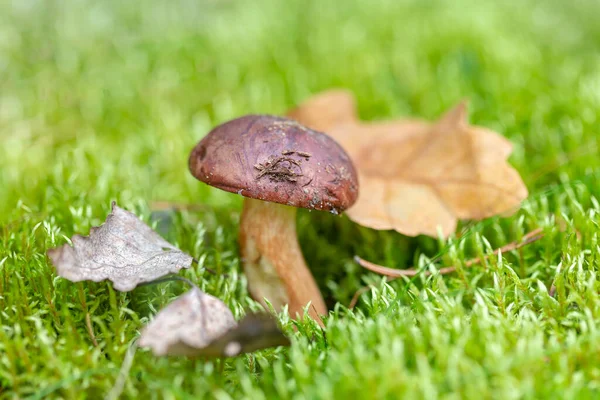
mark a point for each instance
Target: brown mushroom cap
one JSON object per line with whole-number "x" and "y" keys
{"x": 278, "y": 160}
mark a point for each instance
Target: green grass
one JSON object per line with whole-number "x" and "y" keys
{"x": 103, "y": 101}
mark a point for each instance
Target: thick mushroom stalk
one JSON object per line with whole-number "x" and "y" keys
{"x": 273, "y": 261}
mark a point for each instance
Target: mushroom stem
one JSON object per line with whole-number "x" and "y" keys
{"x": 273, "y": 261}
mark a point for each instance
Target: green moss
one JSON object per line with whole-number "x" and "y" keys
{"x": 103, "y": 101}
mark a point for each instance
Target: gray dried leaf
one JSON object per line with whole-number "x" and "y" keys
{"x": 123, "y": 250}
{"x": 254, "y": 332}
{"x": 190, "y": 322}
{"x": 197, "y": 324}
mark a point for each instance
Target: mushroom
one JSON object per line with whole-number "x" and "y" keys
{"x": 278, "y": 165}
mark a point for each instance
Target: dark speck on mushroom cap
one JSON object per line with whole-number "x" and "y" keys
{"x": 278, "y": 160}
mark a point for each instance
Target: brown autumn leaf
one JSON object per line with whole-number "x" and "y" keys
{"x": 197, "y": 324}
{"x": 123, "y": 250}
{"x": 417, "y": 177}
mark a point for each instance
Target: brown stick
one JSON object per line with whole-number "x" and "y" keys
{"x": 90, "y": 329}
{"x": 392, "y": 273}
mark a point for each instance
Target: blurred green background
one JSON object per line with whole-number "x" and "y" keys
{"x": 110, "y": 96}
{"x": 103, "y": 100}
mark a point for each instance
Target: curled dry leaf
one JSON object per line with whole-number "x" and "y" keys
{"x": 190, "y": 322}
{"x": 123, "y": 250}
{"x": 254, "y": 332}
{"x": 417, "y": 177}
{"x": 197, "y": 324}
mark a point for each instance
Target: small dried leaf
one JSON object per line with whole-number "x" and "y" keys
{"x": 416, "y": 177}
{"x": 188, "y": 325}
{"x": 197, "y": 324}
{"x": 123, "y": 250}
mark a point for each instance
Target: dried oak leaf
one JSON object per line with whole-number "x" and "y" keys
{"x": 197, "y": 324}
{"x": 123, "y": 250}
{"x": 415, "y": 176}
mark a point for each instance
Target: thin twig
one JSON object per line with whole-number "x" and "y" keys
{"x": 88, "y": 321}
{"x": 392, "y": 273}
{"x": 396, "y": 273}
{"x": 90, "y": 329}
{"x": 119, "y": 385}
{"x": 318, "y": 317}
